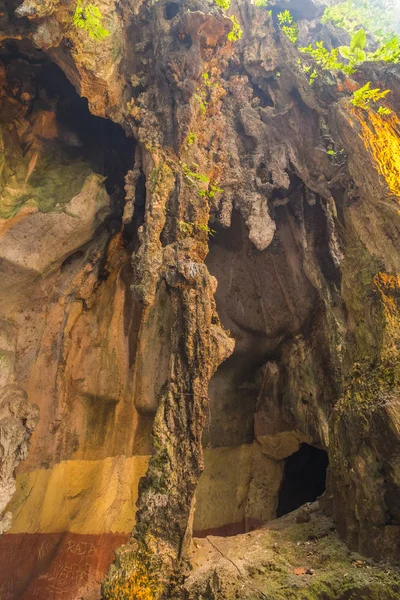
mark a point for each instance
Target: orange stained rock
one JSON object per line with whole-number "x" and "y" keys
{"x": 348, "y": 85}
{"x": 381, "y": 136}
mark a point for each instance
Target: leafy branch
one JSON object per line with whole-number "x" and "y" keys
{"x": 365, "y": 96}
{"x": 288, "y": 26}
{"x": 88, "y": 17}
{"x": 237, "y": 32}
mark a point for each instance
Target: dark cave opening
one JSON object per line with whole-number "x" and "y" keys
{"x": 171, "y": 10}
{"x": 262, "y": 95}
{"x": 100, "y": 141}
{"x": 304, "y": 478}
{"x": 79, "y": 135}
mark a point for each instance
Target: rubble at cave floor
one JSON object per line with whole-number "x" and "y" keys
{"x": 288, "y": 559}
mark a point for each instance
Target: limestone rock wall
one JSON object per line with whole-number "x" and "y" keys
{"x": 130, "y": 318}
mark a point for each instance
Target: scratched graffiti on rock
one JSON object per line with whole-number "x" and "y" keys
{"x": 54, "y": 566}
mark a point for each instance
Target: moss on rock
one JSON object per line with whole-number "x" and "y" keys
{"x": 288, "y": 561}
{"x": 55, "y": 180}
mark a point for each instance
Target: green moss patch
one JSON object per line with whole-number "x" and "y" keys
{"x": 55, "y": 180}
{"x": 288, "y": 561}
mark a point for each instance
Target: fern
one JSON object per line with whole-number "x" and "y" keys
{"x": 383, "y": 110}
{"x": 88, "y": 17}
{"x": 365, "y": 96}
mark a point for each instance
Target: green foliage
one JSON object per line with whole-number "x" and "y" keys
{"x": 388, "y": 52}
{"x": 187, "y": 228}
{"x": 365, "y": 96}
{"x": 206, "y": 79}
{"x": 285, "y": 17}
{"x": 308, "y": 70}
{"x": 383, "y": 110}
{"x": 193, "y": 176}
{"x": 288, "y": 26}
{"x": 374, "y": 15}
{"x": 345, "y": 15}
{"x": 210, "y": 193}
{"x": 263, "y": 3}
{"x": 205, "y": 228}
{"x": 327, "y": 60}
{"x": 224, "y": 4}
{"x": 88, "y": 17}
{"x": 236, "y": 33}
{"x": 202, "y": 102}
{"x": 214, "y": 189}
{"x": 355, "y": 53}
{"x": 191, "y": 138}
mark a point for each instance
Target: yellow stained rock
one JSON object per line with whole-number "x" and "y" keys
{"x": 80, "y": 496}
{"x": 381, "y": 136}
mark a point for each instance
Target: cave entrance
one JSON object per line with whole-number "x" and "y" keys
{"x": 75, "y": 135}
{"x": 304, "y": 478}
{"x": 100, "y": 141}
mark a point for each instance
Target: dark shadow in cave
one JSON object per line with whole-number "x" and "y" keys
{"x": 80, "y": 135}
{"x": 171, "y": 10}
{"x": 101, "y": 141}
{"x": 304, "y": 478}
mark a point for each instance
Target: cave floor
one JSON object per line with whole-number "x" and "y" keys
{"x": 288, "y": 560}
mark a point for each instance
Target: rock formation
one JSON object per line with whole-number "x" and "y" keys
{"x": 200, "y": 268}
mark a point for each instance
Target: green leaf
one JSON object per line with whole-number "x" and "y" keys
{"x": 285, "y": 17}
{"x": 224, "y": 4}
{"x": 345, "y": 52}
{"x": 359, "y": 55}
{"x": 382, "y": 110}
{"x": 358, "y": 41}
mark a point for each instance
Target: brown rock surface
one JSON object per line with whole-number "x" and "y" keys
{"x": 275, "y": 338}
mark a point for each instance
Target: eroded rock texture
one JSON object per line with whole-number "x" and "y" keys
{"x": 273, "y": 342}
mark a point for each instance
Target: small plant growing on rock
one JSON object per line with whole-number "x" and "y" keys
{"x": 288, "y": 26}
{"x": 202, "y": 103}
{"x": 355, "y": 53}
{"x": 383, "y": 110}
{"x": 365, "y": 96}
{"x": 186, "y": 228}
{"x": 388, "y": 52}
{"x": 308, "y": 70}
{"x": 191, "y": 138}
{"x": 210, "y": 193}
{"x": 207, "y": 229}
{"x": 193, "y": 176}
{"x": 237, "y": 32}
{"x": 327, "y": 60}
{"x": 224, "y": 4}
{"x": 214, "y": 189}
{"x": 206, "y": 79}
{"x": 88, "y": 17}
